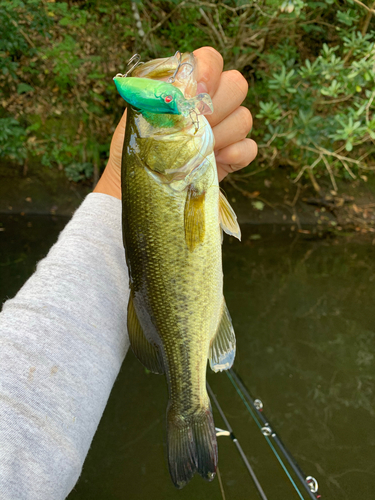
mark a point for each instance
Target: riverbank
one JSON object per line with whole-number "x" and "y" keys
{"x": 268, "y": 197}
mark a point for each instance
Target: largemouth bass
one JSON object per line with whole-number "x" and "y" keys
{"x": 173, "y": 216}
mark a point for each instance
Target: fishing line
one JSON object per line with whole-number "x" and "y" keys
{"x": 220, "y": 483}
{"x": 255, "y": 407}
{"x": 229, "y": 432}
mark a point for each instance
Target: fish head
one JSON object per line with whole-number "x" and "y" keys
{"x": 148, "y": 95}
{"x": 178, "y": 69}
{"x": 173, "y": 137}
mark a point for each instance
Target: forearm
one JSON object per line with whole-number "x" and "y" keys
{"x": 109, "y": 183}
{"x": 62, "y": 341}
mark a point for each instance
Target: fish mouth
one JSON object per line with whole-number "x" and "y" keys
{"x": 178, "y": 70}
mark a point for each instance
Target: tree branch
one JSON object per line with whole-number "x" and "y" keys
{"x": 369, "y": 9}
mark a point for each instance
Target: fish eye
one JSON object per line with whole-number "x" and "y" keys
{"x": 168, "y": 99}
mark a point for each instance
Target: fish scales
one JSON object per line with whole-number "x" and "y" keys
{"x": 172, "y": 213}
{"x": 181, "y": 289}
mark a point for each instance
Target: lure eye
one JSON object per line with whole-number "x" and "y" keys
{"x": 168, "y": 99}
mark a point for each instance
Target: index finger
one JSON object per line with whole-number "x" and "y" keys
{"x": 209, "y": 68}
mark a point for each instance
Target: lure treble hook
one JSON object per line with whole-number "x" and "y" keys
{"x": 136, "y": 59}
{"x": 172, "y": 78}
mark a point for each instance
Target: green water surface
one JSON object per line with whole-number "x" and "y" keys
{"x": 304, "y": 313}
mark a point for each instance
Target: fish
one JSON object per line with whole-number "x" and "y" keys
{"x": 173, "y": 216}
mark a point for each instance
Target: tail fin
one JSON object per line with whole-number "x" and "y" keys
{"x": 192, "y": 446}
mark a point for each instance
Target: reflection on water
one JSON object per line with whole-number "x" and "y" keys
{"x": 303, "y": 310}
{"x": 304, "y": 315}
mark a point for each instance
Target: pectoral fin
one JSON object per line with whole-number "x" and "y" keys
{"x": 147, "y": 353}
{"x": 223, "y": 345}
{"x": 194, "y": 218}
{"x": 228, "y": 219}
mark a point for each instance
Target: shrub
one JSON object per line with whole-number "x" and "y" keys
{"x": 309, "y": 64}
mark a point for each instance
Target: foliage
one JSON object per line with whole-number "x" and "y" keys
{"x": 12, "y": 139}
{"x": 319, "y": 112}
{"x": 310, "y": 67}
{"x": 57, "y": 61}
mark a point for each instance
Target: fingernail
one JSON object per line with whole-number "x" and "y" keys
{"x": 202, "y": 88}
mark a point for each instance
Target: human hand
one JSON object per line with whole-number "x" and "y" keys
{"x": 230, "y": 122}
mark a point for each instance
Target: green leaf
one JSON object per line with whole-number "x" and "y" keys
{"x": 22, "y": 88}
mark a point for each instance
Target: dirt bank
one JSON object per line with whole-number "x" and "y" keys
{"x": 268, "y": 197}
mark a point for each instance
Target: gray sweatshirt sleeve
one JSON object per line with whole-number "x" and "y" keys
{"x": 63, "y": 338}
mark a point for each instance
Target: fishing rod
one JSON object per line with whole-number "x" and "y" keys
{"x": 229, "y": 432}
{"x": 255, "y": 408}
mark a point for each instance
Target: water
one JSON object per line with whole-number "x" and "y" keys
{"x": 304, "y": 315}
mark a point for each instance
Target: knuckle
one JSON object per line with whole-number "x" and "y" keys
{"x": 215, "y": 54}
{"x": 252, "y": 150}
{"x": 211, "y": 55}
{"x": 239, "y": 81}
{"x": 244, "y": 152}
{"x": 245, "y": 120}
{"x": 237, "y": 156}
{"x": 255, "y": 146}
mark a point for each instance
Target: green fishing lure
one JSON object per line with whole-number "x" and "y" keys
{"x": 156, "y": 96}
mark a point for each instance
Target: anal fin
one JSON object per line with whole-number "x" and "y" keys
{"x": 223, "y": 344}
{"x": 228, "y": 219}
{"x": 147, "y": 353}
